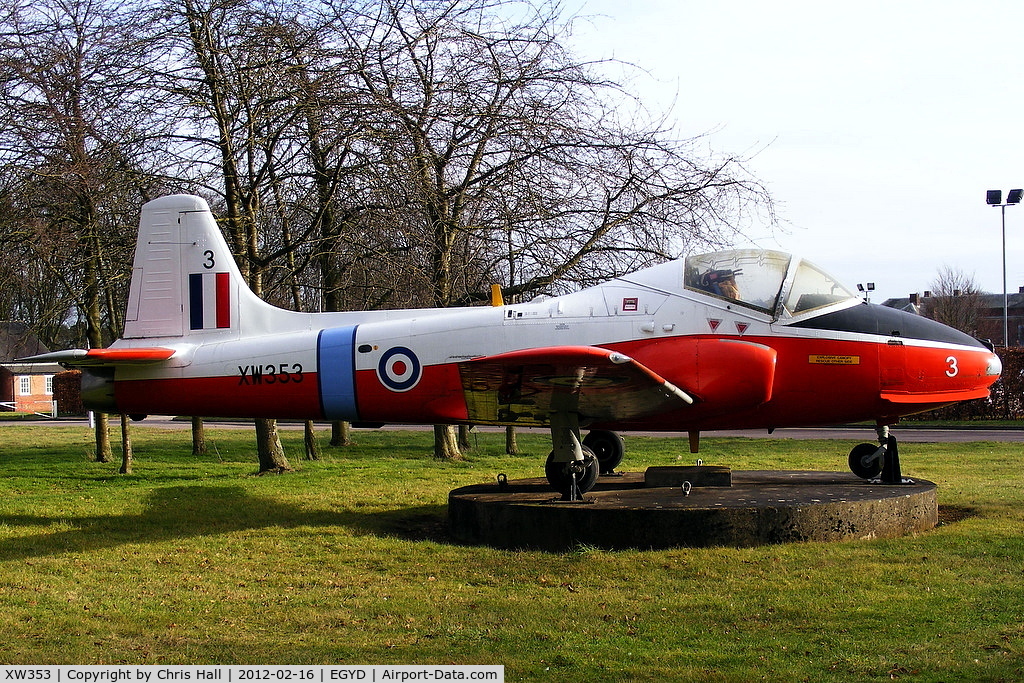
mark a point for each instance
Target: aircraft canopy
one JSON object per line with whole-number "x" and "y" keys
{"x": 772, "y": 282}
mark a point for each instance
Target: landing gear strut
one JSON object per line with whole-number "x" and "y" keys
{"x": 575, "y": 463}
{"x": 572, "y": 468}
{"x": 868, "y": 461}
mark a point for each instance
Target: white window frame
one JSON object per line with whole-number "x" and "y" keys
{"x": 24, "y": 385}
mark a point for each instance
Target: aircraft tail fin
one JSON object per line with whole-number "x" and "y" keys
{"x": 185, "y": 281}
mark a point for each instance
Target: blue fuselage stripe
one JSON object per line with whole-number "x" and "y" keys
{"x": 335, "y": 355}
{"x": 195, "y": 301}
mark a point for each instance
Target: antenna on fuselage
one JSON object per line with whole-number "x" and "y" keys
{"x": 496, "y": 298}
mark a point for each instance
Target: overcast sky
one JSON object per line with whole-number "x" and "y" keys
{"x": 878, "y": 125}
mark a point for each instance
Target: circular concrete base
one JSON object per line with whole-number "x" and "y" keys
{"x": 759, "y": 507}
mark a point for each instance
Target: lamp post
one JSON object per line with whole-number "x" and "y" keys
{"x": 995, "y": 198}
{"x": 866, "y": 290}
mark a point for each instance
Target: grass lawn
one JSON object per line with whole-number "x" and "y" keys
{"x": 192, "y": 560}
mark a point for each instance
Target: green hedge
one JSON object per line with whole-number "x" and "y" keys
{"x": 67, "y": 392}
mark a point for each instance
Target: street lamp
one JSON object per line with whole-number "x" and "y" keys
{"x": 866, "y": 291}
{"x": 995, "y": 198}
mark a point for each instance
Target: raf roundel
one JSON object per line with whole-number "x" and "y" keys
{"x": 399, "y": 369}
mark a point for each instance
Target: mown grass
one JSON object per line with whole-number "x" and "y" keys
{"x": 347, "y": 560}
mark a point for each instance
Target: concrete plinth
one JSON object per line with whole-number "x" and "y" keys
{"x": 759, "y": 507}
{"x": 696, "y": 475}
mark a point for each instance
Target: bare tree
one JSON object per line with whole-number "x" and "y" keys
{"x": 955, "y": 300}
{"x": 68, "y": 67}
{"x": 360, "y": 154}
{"x": 241, "y": 116}
{"x": 510, "y": 160}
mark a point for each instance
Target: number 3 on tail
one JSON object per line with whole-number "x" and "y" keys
{"x": 953, "y": 370}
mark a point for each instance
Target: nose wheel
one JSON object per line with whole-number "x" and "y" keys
{"x": 867, "y": 460}
{"x": 878, "y": 463}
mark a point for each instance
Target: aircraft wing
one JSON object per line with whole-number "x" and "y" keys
{"x": 101, "y": 357}
{"x": 526, "y": 386}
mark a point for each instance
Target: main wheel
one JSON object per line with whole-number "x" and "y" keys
{"x": 868, "y": 470}
{"x": 560, "y": 473}
{"x": 607, "y": 446}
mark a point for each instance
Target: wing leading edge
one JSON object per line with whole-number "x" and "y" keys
{"x": 526, "y": 387}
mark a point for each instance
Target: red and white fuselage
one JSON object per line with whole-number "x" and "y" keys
{"x": 737, "y": 339}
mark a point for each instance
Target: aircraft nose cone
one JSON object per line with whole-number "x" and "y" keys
{"x": 994, "y": 367}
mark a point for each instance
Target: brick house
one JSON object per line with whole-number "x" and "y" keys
{"x": 990, "y": 318}
{"x": 24, "y": 388}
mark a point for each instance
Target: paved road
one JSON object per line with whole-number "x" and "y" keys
{"x": 901, "y": 432}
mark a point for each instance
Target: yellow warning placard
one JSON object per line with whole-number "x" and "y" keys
{"x": 823, "y": 359}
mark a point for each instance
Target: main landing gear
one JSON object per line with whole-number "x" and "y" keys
{"x": 573, "y": 465}
{"x": 607, "y": 446}
{"x": 879, "y": 463}
{"x": 573, "y": 478}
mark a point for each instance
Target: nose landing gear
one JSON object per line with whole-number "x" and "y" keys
{"x": 867, "y": 460}
{"x": 878, "y": 464}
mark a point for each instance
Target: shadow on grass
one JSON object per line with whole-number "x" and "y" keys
{"x": 951, "y": 514}
{"x": 180, "y": 512}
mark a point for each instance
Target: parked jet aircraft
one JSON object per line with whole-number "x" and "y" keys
{"x": 734, "y": 339}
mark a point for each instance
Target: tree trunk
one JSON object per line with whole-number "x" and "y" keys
{"x": 127, "y": 456}
{"x": 446, "y": 443}
{"x": 102, "y": 426}
{"x": 268, "y": 445}
{"x": 198, "y": 436}
{"x": 511, "y": 444}
{"x": 312, "y": 445}
{"x": 341, "y": 433}
{"x": 464, "y": 444}
{"x": 94, "y": 322}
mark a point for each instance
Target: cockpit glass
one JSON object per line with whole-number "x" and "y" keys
{"x": 813, "y": 288}
{"x": 752, "y": 277}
